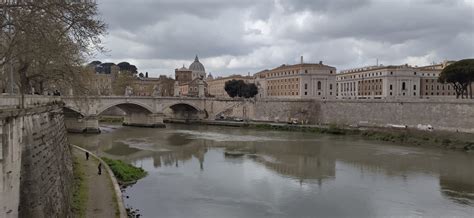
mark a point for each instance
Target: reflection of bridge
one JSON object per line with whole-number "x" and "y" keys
{"x": 81, "y": 113}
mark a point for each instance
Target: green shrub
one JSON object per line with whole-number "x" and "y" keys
{"x": 125, "y": 172}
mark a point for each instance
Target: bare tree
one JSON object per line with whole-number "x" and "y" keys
{"x": 47, "y": 40}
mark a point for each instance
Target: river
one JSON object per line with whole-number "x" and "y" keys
{"x": 284, "y": 174}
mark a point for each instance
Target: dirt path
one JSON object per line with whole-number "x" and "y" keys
{"x": 101, "y": 197}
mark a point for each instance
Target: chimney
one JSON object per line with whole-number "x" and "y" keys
{"x": 302, "y": 59}
{"x": 320, "y": 62}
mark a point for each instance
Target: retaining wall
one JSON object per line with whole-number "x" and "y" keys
{"x": 442, "y": 114}
{"x": 36, "y": 163}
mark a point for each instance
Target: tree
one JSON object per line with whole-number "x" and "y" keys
{"x": 250, "y": 90}
{"x": 460, "y": 75}
{"x": 94, "y": 63}
{"x": 123, "y": 80}
{"x": 46, "y": 41}
{"x": 125, "y": 66}
{"x": 238, "y": 88}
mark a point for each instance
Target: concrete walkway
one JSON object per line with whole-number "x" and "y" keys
{"x": 101, "y": 200}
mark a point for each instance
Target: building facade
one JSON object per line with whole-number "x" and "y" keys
{"x": 183, "y": 75}
{"x": 216, "y": 86}
{"x": 196, "y": 88}
{"x": 430, "y": 87}
{"x": 299, "y": 81}
{"x": 385, "y": 82}
{"x": 145, "y": 86}
{"x": 189, "y": 79}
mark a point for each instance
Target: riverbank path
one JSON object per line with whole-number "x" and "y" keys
{"x": 101, "y": 201}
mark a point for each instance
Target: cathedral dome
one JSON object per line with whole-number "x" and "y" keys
{"x": 196, "y": 66}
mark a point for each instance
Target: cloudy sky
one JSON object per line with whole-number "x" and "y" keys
{"x": 241, "y": 36}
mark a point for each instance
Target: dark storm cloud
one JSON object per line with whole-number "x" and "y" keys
{"x": 249, "y": 35}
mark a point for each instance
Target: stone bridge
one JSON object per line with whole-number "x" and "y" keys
{"x": 82, "y": 113}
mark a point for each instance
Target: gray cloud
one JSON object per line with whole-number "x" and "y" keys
{"x": 250, "y": 35}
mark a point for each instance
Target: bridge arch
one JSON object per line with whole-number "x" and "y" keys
{"x": 184, "y": 111}
{"x": 183, "y": 103}
{"x": 69, "y": 111}
{"x": 128, "y": 107}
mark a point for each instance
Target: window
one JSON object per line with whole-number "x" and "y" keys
{"x": 404, "y": 86}
{"x": 414, "y": 87}
{"x": 306, "y": 86}
{"x": 319, "y": 93}
{"x": 330, "y": 86}
{"x": 305, "y": 71}
{"x": 391, "y": 88}
{"x": 414, "y": 73}
{"x": 391, "y": 73}
{"x": 414, "y": 93}
{"x": 319, "y": 85}
{"x": 305, "y": 93}
{"x": 390, "y": 93}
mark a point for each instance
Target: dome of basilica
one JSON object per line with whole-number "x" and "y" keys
{"x": 196, "y": 66}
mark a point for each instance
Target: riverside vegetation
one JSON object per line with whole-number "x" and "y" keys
{"x": 405, "y": 136}
{"x": 124, "y": 172}
{"x": 79, "y": 197}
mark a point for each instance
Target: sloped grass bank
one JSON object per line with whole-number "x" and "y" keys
{"x": 79, "y": 196}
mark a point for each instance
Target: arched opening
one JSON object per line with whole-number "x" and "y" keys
{"x": 122, "y": 109}
{"x": 74, "y": 121}
{"x": 69, "y": 112}
{"x": 182, "y": 112}
{"x": 131, "y": 114}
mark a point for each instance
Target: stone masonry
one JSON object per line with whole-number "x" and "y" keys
{"x": 36, "y": 164}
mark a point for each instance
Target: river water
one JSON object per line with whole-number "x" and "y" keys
{"x": 284, "y": 174}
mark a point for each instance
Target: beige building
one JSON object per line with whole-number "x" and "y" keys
{"x": 183, "y": 75}
{"x": 261, "y": 82}
{"x": 216, "y": 86}
{"x": 191, "y": 89}
{"x": 383, "y": 82}
{"x": 299, "y": 81}
{"x": 378, "y": 82}
{"x": 430, "y": 87}
{"x": 145, "y": 86}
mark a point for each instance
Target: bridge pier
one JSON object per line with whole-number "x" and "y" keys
{"x": 154, "y": 120}
{"x": 82, "y": 124}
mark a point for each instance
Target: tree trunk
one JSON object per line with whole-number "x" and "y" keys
{"x": 24, "y": 83}
{"x": 470, "y": 88}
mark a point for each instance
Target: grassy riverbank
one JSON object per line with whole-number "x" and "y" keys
{"x": 79, "y": 198}
{"x": 405, "y": 136}
{"x": 124, "y": 172}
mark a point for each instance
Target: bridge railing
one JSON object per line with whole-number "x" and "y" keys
{"x": 14, "y": 101}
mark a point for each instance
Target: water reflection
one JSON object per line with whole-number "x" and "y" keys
{"x": 375, "y": 179}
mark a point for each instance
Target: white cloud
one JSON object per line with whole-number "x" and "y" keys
{"x": 249, "y": 36}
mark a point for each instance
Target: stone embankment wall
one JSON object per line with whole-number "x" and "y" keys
{"x": 446, "y": 115}
{"x": 449, "y": 115}
{"x": 35, "y": 163}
